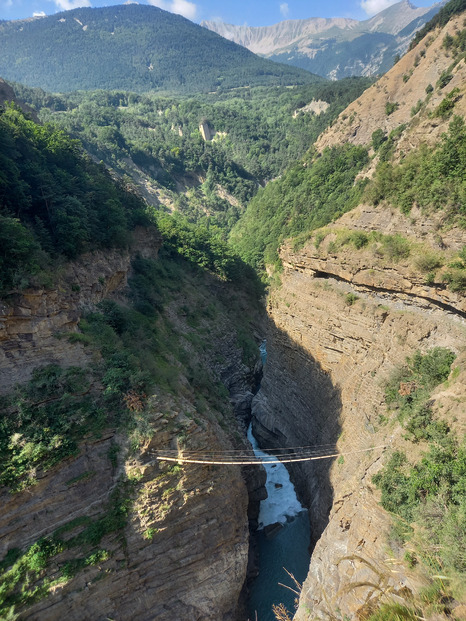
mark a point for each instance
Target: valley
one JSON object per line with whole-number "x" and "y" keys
{"x": 176, "y": 267}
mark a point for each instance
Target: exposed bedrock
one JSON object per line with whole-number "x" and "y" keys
{"x": 183, "y": 553}
{"x": 328, "y": 361}
{"x": 31, "y": 321}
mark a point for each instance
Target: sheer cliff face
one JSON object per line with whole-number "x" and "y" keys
{"x": 182, "y": 550}
{"x": 329, "y": 356}
{"x": 342, "y": 321}
{"x": 182, "y": 555}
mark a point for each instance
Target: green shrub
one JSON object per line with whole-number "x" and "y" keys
{"x": 395, "y": 247}
{"x": 43, "y": 420}
{"x": 428, "y": 262}
{"x": 445, "y": 108}
{"x": 415, "y": 109}
{"x": 351, "y": 298}
{"x": 359, "y": 239}
{"x": 409, "y": 390}
{"x": 307, "y": 197}
{"x": 432, "y": 178}
{"x": 439, "y": 20}
{"x": 456, "y": 279}
{"x": 390, "y": 107}
{"x": 444, "y": 79}
{"x": 55, "y": 200}
{"x": 378, "y": 138}
{"x": 23, "y": 582}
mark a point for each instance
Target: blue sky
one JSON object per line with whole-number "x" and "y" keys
{"x": 251, "y": 12}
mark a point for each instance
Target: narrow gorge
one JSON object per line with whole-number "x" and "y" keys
{"x": 126, "y": 330}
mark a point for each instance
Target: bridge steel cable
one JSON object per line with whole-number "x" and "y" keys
{"x": 244, "y": 458}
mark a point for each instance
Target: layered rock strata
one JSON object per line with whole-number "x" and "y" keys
{"x": 183, "y": 553}
{"x": 329, "y": 356}
{"x": 32, "y": 320}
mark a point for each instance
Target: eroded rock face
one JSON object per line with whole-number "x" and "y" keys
{"x": 183, "y": 553}
{"x": 328, "y": 361}
{"x": 404, "y": 85}
{"x": 32, "y": 322}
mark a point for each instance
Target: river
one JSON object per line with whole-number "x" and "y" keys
{"x": 287, "y": 551}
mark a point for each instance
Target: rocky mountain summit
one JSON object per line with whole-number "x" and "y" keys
{"x": 338, "y": 47}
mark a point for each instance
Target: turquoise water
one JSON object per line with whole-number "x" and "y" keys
{"x": 288, "y": 550}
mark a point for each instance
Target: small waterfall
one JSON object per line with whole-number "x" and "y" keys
{"x": 281, "y": 504}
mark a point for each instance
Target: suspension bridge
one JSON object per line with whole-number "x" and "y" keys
{"x": 245, "y": 457}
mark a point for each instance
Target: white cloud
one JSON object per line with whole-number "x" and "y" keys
{"x": 284, "y": 9}
{"x": 181, "y": 7}
{"x": 66, "y": 5}
{"x": 38, "y": 14}
{"x": 375, "y": 6}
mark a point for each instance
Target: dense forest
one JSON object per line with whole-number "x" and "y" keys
{"x": 257, "y": 134}
{"x": 54, "y": 200}
{"x": 56, "y": 203}
{"x": 308, "y": 196}
{"x": 134, "y": 47}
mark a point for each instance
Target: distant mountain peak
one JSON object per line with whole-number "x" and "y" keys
{"x": 338, "y": 47}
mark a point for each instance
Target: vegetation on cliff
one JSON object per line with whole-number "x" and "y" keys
{"x": 430, "y": 178}
{"x": 54, "y": 200}
{"x": 166, "y": 338}
{"x": 311, "y": 194}
{"x": 429, "y": 493}
{"x": 22, "y": 568}
{"x": 454, "y": 7}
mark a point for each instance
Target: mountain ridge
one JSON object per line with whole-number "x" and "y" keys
{"x": 130, "y": 47}
{"x": 335, "y": 47}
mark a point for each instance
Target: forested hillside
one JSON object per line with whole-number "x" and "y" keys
{"x": 411, "y": 148}
{"x": 54, "y": 200}
{"x": 133, "y": 47}
{"x": 156, "y": 142}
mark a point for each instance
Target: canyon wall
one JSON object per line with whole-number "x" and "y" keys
{"x": 182, "y": 551}
{"x": 340, "y": 324}
{"x": 32, "y": 321}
